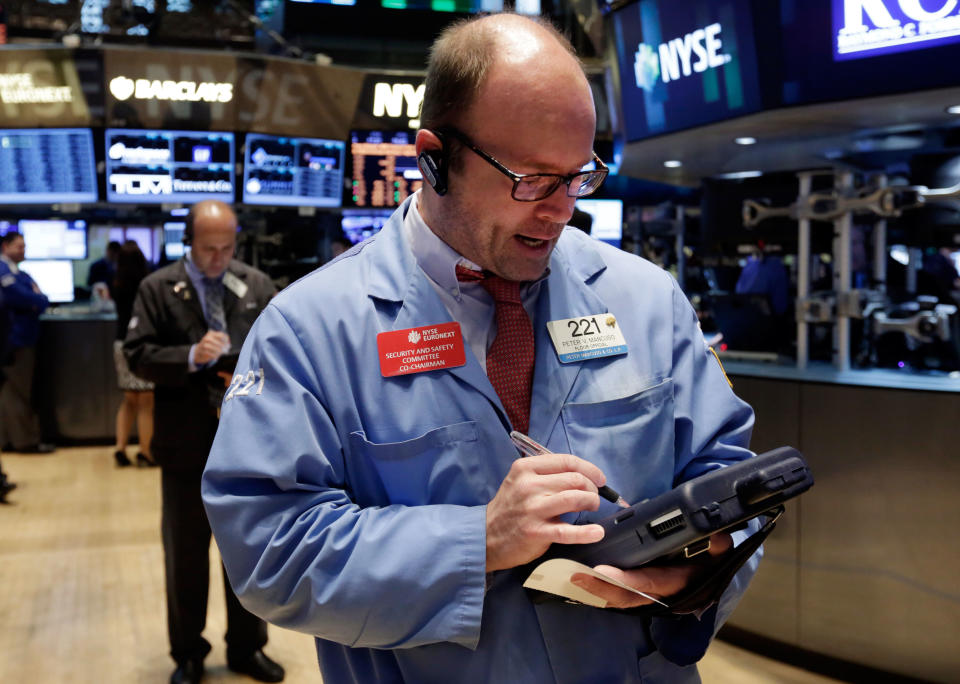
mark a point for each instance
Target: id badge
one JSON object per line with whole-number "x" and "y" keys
{"x": 417, "y": 350}
{"x": 587, "y": 337}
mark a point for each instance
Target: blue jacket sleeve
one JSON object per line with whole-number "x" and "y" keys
{"x": 298, "y": 550}
{"x": 19, "y": 294}
{"x": 713, "y": 428}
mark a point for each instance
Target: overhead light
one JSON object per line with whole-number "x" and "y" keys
{"x": 740, "y": 174}
{"x": 955, "y": 109}
{"x": 745, "y": 140}
{"x": 673, "y": 163}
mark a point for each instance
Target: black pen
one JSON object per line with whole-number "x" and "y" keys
{"x": 529, "y": 447}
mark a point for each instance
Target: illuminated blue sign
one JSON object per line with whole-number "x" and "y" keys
{"x": 684, "y": 64}
{"x": 865, "y": 28}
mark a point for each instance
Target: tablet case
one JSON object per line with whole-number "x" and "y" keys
{"x": 677, "y": 525}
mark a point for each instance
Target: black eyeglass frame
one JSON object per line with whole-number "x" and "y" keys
{"x": 517, "y": 178}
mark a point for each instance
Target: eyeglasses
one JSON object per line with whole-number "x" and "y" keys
{"x": 531, "y": 187}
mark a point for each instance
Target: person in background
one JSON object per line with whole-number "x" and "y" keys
{"x": 765, "y": 274}
{"x": 188, "y": 321}
{"x": 104, "y": 270}
{"x": 6, "y": 485}
{"x": 19, "y": 423}
{"x": 363, "y": 486}
{"x": 137, "y": 401}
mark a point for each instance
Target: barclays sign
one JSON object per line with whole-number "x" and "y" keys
{"x": 865, "y": 28}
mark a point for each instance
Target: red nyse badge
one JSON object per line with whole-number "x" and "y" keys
{"x": 415, "y": 350}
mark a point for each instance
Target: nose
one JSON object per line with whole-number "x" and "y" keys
{"x": 557, "y": 207}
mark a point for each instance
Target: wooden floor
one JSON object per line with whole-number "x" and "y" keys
{"x": 81, "y": 585}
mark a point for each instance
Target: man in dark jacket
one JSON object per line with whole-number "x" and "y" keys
{"x": 19, "y": 424}
{"x": 188, "y": 323}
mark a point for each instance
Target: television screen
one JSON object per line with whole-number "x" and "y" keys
{"x": 40, "y": 166}
{"x": 607, "y": 218}
{"x": 144, "y": 236}
{"x": 685, "y": 64}
{"x": 54, "y": 277}
{"x": 169, "y": 166}
{"x": 54, "y": 239}
{"x": 384, "y": 167}
{"x": 293, "y": 171}
{"x": 358, "y": 225}
{"x": 173, "y": 245}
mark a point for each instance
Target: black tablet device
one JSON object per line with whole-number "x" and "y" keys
{"x": 679, "y": 522}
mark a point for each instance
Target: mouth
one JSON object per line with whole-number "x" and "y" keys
{"x": 531, "y": 242}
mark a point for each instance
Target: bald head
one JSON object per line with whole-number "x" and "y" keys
{"x": 214, "y": 236}
{"x": 464, "y": 54}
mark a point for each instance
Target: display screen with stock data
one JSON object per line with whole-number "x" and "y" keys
{"x": 384, "y": 167}
{"x": 54, "y": 238}
{"x": 40, "y": 166}
{"x": 293, "y": 171}
{"x": 154, "y": 166}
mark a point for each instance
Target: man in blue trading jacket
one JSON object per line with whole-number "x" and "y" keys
{"x": 19, "y": 423}
{"x": 362, "y": 485}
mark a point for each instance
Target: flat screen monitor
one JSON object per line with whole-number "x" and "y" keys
{"x": 154, "y": 166}
{"x": 303, "y": 172}
{"x": 54, "y": 239}
{"x": 40, "y": 166}
{"x": 684, "y": 64}
{"x": 54, "y": 277}
{"x": 142, "y": 235}
{"x": 358, "y": 224}
{"x": 173, "y": 246}
{"x": 384, "y": 167}
{"x": 607, "y": 217}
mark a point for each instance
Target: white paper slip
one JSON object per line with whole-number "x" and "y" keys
{"x": 553, "y": 576}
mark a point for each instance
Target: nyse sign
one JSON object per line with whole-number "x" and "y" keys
{"x": 398, "y": 100}
{"x": 864, "y": 28}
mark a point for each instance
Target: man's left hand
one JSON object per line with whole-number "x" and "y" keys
{"x": 659, "y": 581}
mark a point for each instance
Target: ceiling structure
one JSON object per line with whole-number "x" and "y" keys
{"x": 877, "y": 133}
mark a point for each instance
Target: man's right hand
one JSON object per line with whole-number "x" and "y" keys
{"x": 211, "y": 347}
{"x": 522, "y": 518}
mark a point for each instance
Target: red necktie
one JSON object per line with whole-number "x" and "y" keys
{"x": 511, "y": 357}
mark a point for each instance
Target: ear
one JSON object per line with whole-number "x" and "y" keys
{"x": 432, "y": 160}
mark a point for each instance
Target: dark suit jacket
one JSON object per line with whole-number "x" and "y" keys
{"x": 167, "y": 320}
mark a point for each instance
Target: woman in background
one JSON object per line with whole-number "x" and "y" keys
{"x": 137, "y": 393}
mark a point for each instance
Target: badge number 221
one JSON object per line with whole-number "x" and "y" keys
{"x": 241, "y": 384}
{"x": 579, "y": 331}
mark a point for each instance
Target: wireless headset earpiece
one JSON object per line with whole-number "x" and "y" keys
{"x": 433, "y": 166}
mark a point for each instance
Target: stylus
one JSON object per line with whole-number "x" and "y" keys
{"x": 529, "y": 447}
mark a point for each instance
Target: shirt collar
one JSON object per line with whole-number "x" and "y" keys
{"x": 195, "y": 273}
{"x": 438, "y": 259}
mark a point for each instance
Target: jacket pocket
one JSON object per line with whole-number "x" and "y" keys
{"x": 439, "y": 466}
{"x": 630, "y": 438}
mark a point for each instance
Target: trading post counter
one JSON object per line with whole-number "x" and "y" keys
{"x": 75, "y": 382}
{"x": 863, "y": 567}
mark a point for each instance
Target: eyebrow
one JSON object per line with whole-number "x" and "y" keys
{"x": 544, "y": 168}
